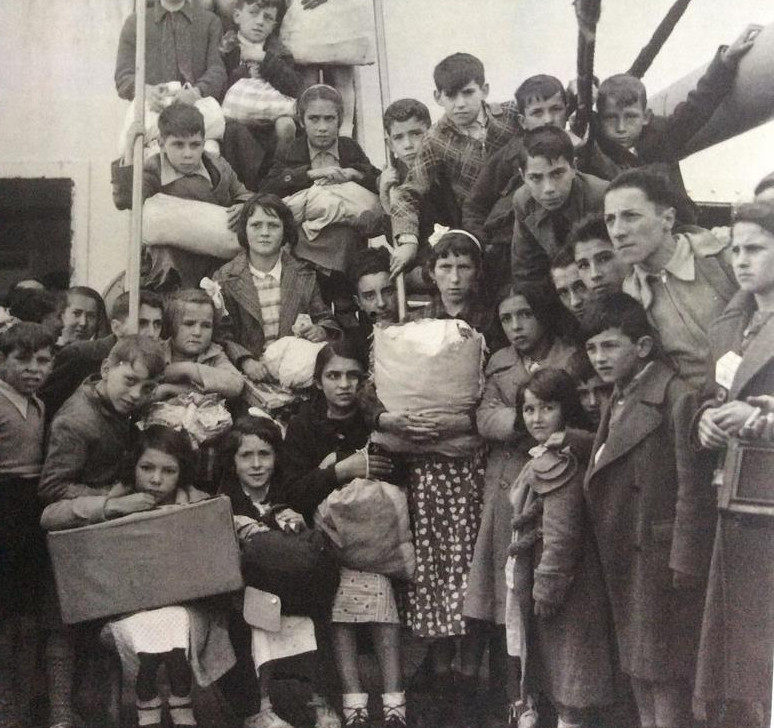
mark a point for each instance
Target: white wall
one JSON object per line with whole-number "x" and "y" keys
{"x": 60, "y": 116}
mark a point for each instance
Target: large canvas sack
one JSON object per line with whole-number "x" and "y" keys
{"x": 368, "y": 521}
{"x": 338, "y": 32}
{"x": 430, "y": 365}
{"x": 256, "y": 101}
{"x": 191, "y": 225}
{"x": 146, "y": 560}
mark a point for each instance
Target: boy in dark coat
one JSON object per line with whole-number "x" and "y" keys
{"x": 650, "y": 507}
{"x": 735, "y": 658}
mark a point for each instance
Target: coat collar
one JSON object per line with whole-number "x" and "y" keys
{"x": 641, "y": 413}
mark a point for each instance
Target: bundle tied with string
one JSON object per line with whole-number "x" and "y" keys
{"x": 433, "y": 366}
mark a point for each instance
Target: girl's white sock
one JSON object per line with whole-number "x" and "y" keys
{"x": 148, "y": 711}
{"x": 354, "y": 704}
{"x": 181, "y": 710}
{"x": 394, "y": 704}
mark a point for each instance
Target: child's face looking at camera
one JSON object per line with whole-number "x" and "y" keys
{"x": 157, "y": 473}
{"x": 542, "y": 419}
{"x": 184, "y": 153}
{"x": 339, "y": 382}
{"x": 404, "y": 138}
{"x": 519, "y": 324}
{"x": 455, "y": 277}
{"x": 255, "y": 23}
{"x": 265, "y": 233}
{"x": 193, "y": 329}
{"x": 126, "y": 386}
{"x": 254, "y": 462}
{"x": 321, "y": 122}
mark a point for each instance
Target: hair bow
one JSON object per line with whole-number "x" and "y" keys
{"x": 213, "y": 290}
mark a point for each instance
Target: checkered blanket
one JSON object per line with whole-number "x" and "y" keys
{"x": 254, "y": 100}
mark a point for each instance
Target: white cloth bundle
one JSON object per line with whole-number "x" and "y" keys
{"x": 290, "y": 361}
{"x": 430, "y": 365}
{"x": 339, "y": 32}
{"x": 198, "y": 227}
{"x": 318, "y": 206}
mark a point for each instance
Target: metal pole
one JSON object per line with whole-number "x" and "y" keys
{"x": 384, "y": 93}
{"x": 135, "y": 239}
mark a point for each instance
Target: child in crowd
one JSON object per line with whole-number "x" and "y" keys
{"x": 265, "y": 288}
{"x": 173, "y": 636}
{"x": 650, "y": 508}
{"x": 83, "y": 358}
{"x": 181, "y": 41}
{"x": 90, "y": 437}
{"x": 594, "y": 394}
{"x": 599, "y": 268}
{"x": 628, "y": 135}
{"x": 735, "y": 660}
{"x": 453, "y": 150}
{"x": 553, "y": 197}
{"x": 567, "y": 282}
{"x": 323, "y": 451}
{"x": 252, "y": 477}
{"x": 406, "y": 122}
{"x": 253, "y": 51}
{"x": 193, "y": 360}
{"x": 531, "y": 317}
{"x": 487, "y": 211}
{"x": 182, "y": 169}
{"x": 682, "y": 278}
{"x": 84, "y": 316}
{"x": 564, "y": 616}
{"x": 26, "y": 356}
{"x": 322, "y": 158}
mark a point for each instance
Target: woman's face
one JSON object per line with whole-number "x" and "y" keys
{"x": 157, "y": 473}
{"x": 339, "y": 382}
{"x": 254, "y": 462}
{"x": 79, "y": 318}
{"x": 520, "y": 325}
{"x": 455, "y": 277}
{"x": 542, "y": 419}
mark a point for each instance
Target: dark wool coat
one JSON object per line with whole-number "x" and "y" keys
{"x": 735, "y": 658}
{"x": 652, "y": 512}
{"x": 241, "y": 332}
{"x": 288, "y": 174}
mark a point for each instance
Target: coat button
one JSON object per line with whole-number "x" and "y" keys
{"x": 274, "y": 600}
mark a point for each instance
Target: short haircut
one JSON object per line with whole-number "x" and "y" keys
{"x": 580, "y": 368}
{"x": 622, "y": 90}
{"x": 26, "y": 338}
{"x": 554, "y": 385}
{"x": 172, "y": 442}
{"x": 273, "y": 206}
{"x": 262, "y": 427}
{"x": 590, "y": 227}
{"x": 760, "y": 213}
{"x": 539, "y": 88}
{"x": 546, "y": 306}
{"x": 134, "y": 348}
{"x": 547, "y": 142}
{"x": 279, "y": 5}
{"x": 120, "y": 308}
{"x": 457, "y": 71}
{"x": 656, "y": 187}
{"x": 320, "y": 91}
{"x": 764, "y": 184}
{"x": 86, "y": 292}
{"x": 403, "y": 110}
{"x": 616, "y": 311}
{"x": 32, "y": 304}
{"x": 346, "y": 348}
{"x": 177, "y": 302}
{"x": 368, "y": 262}
{"x": 180, "y": 120}
{"x": 563, "y": 258}
{"x": 451, "y": 243}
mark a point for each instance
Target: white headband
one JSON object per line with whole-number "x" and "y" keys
{"x": 440, "y": 230}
